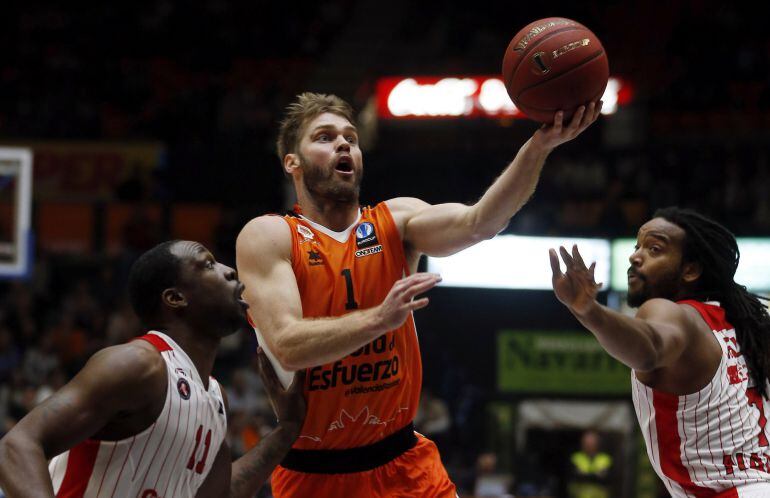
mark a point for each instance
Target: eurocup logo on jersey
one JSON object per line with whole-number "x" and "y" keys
{"x": 365, "y": 236}
{"x": 184, "y": 389}
{"x": 366, "y": 240}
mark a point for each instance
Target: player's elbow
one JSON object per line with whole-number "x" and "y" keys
{"x": 645, "y": 364}
{"x": 13, "y": 447}
{"x": 288, "y": 355}
{"x": 484, "y": 229}
{"x": 473, "y": 236}
{"x": 8, "y": 445}
{"x": 287, "y": 360}
{"x": 494, "y": 231}
{"x": 651, "y": 357}
{"x": 5, "y": 453}
{"x": 489, "y": 231}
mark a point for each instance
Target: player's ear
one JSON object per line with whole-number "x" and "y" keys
{"x": 173, "y": 298}
{"x": 691, "y": 272}
{"x": 290, "y": 163}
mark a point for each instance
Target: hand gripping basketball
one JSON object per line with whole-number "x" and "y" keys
{"x": 554, "y": 64}
{"x": 550, "y": 136}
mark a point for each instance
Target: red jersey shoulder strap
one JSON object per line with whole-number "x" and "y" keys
{"x": 714, "y": 315}
{"x": 156, "y": 341}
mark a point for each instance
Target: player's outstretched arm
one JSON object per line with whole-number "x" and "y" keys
{"x": 263, "y": 253}
{"x": 247, "y": 474}
{"x": 444, "y": 229}
{"x": 118, "y": 380}
{"x": 655, "y": 338}
{"x": 253, "y": 469}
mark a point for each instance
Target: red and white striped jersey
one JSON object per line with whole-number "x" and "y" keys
{"x": 171, "y": 458}
{"x": 712, "y": 443}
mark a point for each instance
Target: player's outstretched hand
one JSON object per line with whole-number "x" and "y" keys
{"x": 399, "y": 301}
{"x": 553, "y": 135}
{"x": 288, "y": 404}
{"x": 577, "y": 288}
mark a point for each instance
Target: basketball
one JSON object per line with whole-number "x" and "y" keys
{"x": 554, "y": 64}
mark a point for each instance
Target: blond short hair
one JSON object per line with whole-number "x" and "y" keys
{"x": 299, "y": 113}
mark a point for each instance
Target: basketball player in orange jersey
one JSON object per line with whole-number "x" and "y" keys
{"x": 331, "y": 290}
{"x": 145, "y": 419}
{"x": 698, "y": 347}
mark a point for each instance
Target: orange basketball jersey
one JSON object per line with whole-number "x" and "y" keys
{"x": 371, "y": 393}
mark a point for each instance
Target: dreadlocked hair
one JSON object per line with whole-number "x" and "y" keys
{"x": 715, "y": 248}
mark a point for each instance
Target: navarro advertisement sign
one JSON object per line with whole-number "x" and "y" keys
{"x": 557, "y": 363}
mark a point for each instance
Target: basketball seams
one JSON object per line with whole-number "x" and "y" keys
{"x": 582, "y": 63}
{"x": 532, "y": 46}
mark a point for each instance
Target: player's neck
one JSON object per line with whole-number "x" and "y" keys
{"x": 332, "y": 214}
{"x": 200, "y": 348}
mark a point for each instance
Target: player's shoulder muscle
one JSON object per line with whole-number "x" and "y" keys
{"x": 403, "y": 208}
{"x": 399, "y": 205}
{"x": 664, "y": 310}
{"x": 264, "y": 237}
{"x": 121, "y": 377}
{"x": 136, "y": 364}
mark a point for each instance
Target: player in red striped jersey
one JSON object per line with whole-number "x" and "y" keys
{"x": 698, "y": 347}
{"x": 145, "y": 419}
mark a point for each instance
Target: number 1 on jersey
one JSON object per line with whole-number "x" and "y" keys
{"x": 351, "y": 304}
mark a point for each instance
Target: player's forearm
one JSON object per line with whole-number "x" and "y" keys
{"x": 252, "y": 469}
{"x": 23, "y": 470}
{"x": 316, "y": 341}
{"x": 512, "y": 189}
{"x": 634, "y": 342}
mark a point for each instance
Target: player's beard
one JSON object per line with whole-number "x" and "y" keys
{"x": 321, "y": 182}
{"x": 666, "y": 287}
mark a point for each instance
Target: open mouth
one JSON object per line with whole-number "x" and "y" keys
{"x": 239, "y": 296}
{"x": 344, "y": 165}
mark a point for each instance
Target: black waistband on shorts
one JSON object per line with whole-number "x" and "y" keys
{"x": 352, "y": 459}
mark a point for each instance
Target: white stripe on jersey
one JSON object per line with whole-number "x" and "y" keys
{"x": 644, "y": 406}
{"x": 710, "y": 441}
{"x": 57, "y": 471}
{"x": 171, "y": 458}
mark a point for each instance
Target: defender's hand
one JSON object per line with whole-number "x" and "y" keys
{"x": 553, "y": 135}
{"x": 288, "y": 404}
{"x": 577, "y": 288}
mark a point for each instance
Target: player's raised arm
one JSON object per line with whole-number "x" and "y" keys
{"x": 263, "y": 255}
{"x": 444, "y": 229}
{"x": 655, "y": 338}
{"x": 121, "y": 380}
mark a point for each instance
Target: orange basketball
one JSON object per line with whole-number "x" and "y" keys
{"x": 554, "y": 64}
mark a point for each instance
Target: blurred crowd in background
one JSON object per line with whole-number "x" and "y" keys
{"x": 210, "y": 81}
